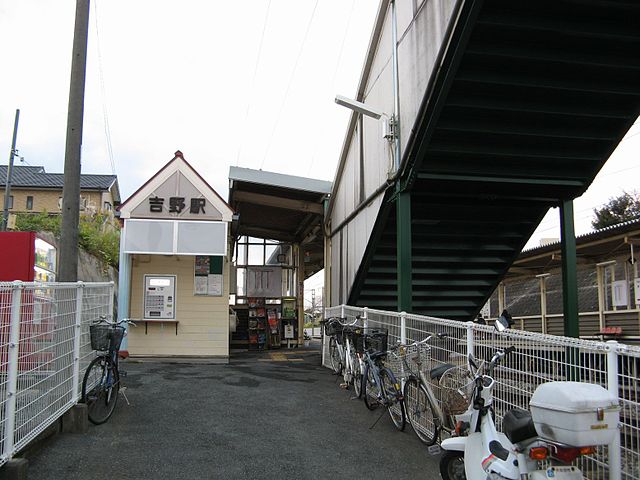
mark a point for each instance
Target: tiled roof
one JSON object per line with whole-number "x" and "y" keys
{"x": 605, "y": 232}
{"x": 36, "y": 177}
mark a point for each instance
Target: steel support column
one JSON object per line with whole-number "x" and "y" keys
{"x": 404, "y": 264}
{"x": 569, "y": 272}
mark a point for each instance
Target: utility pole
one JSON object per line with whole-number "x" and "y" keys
{"x": 71, "y": 191}
{"x": 7, "y": 188}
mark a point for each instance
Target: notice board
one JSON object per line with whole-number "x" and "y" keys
{"x": 264, "y": 282}
{"x": 208, "y": 277}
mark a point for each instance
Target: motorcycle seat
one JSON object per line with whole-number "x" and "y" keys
{"x": 518, "y": 426}
{"x": 437, "y": 372}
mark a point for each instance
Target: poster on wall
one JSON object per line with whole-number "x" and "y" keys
{"x": 264, "y": 281}
{"x": 619, "y": 290}
{"x": 288, "y": 332}
{"x": 208, "y": 279}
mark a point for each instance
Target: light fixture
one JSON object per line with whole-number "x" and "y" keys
{"x": 359, "y": 107}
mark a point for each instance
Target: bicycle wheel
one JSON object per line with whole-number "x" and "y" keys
{"x": 334, "y": 356}
{"x": 420, "y": 411}
{"x": 370, "y": 389}
{"x": 100, "y": 387}
{"x": 392, "y": 397}
{"x": 357, "y": 377}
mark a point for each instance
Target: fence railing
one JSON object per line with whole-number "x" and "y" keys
{"x": 539, "y": 358}
{"x": 44, "y": 350}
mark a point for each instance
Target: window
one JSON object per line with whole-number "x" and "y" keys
{"x": 107, "y": 207}
{"x": 29, "y": 203}
{"x": 60, "y": 203}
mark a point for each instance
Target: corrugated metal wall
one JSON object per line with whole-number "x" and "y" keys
{"x": 367, "y": 157}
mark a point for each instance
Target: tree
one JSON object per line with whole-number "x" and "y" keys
{"x": 620, "y": 209}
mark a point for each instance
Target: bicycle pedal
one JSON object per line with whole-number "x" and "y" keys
{"x": 344, "y": 385}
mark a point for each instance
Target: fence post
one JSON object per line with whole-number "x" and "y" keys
{"x": 365, "y": 317}
{"x": 76, "y": 341}
{"x": 403, "y": 327}
{"x": 12, "y": 366}
{"x": 615, "y": 458}
{"x": 470, "y": 339}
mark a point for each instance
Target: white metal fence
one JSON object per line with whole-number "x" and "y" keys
{"x": 538, "y": 358}
{"x": 44, "y": 350}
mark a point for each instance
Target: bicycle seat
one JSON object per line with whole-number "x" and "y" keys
{"x": 518, "y": 426}
{"x": 436, "y": 373}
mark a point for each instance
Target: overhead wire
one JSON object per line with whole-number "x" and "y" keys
{"x": 291, "y": 77}
{"x": 335, "y": 74}
{"x": 253, "y": 80}
{"x": 103, "y": 93}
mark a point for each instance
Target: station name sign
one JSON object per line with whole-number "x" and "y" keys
{"x": 177, "y": 205}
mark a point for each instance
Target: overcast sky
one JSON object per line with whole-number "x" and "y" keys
{"x": 248, "y": 83}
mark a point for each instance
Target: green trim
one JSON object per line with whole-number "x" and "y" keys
{"x": 404, "y": 264}
{"x": 569, "y": 270}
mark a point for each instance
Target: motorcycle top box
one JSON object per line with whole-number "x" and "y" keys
{"x": 575, "y": 413}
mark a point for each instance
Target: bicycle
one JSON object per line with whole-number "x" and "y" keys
{"x": 342, "y": 352}
{"x": 379, "y": 384}
{"x": 101, "y": 382}
{"x": 430, "y": 408}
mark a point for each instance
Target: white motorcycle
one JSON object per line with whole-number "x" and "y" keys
{"x": 567, "y": 419}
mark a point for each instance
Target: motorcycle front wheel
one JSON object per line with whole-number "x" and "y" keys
{"x": 452, "y": 466}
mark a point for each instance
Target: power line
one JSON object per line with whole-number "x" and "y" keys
{"x": 103, "y": 94}
{"x": 253, "y": 81}
{"x": 286, "y": 94}
{"x": 335, "y": 74}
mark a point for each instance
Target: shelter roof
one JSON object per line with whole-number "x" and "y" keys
{"x": 281, "y": 207}
{"x": 593, "y": 247}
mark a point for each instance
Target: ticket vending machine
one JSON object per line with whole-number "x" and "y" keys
{"x": 160, "y": 297}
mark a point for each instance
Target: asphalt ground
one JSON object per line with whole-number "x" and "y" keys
{"x": 265, "y": 415}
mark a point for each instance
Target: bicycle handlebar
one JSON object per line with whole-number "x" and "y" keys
{"x": 103, "y": 319}
{"x": 343, "y": 323}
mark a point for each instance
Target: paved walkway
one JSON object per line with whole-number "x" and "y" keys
{"x": 276, "y": 415}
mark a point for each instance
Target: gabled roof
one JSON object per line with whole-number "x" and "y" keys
{"x": 36, "y": 177}
{"x": 175, "y": 165}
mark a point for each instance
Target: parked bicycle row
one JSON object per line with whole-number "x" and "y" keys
{"x": 435, "y": 398}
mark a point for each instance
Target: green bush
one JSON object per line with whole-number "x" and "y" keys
{"x": 98, "y": 234}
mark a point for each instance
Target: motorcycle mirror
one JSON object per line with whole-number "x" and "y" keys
{"x": 504, "y": 322}
{"x": 472, "y": 362}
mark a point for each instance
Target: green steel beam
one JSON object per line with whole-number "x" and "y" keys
{"x": 569, "y": 273}
{"x": 404, "y": 267}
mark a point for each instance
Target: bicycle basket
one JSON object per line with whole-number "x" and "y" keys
{"x": 375, "y": 340}
{"x": 414, "y": 355}
{"x": 333, "y": 327}
{"x": 456, "y": 387}
{"x": 105, "y": 337}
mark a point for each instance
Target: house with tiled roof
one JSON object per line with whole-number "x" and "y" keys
{"x": 34, "y": 190}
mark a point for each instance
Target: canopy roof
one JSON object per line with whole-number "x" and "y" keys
{"x": 281, "y": 207}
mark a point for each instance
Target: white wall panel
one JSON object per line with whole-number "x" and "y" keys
{"x": 421, "y": 27}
